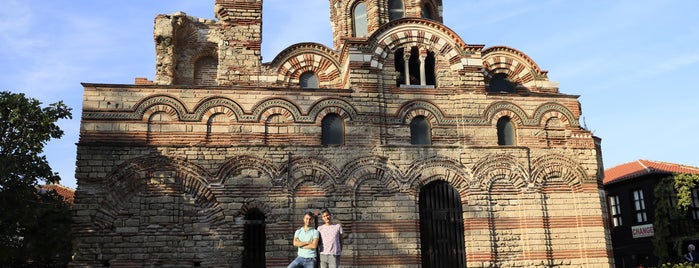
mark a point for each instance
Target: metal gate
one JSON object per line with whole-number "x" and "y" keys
{"x": 441, "y": 226}
{"x": 254, "y": 239}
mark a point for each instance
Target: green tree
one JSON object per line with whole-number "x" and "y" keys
{"x": 34, "y": 226}
{"x": 673, "y": 198}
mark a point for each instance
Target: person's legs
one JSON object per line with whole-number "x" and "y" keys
{"x": 308, "y": 262}
{"x": 296, "y": 263}
{"x": 333, "y": 261}
{"x": 324, "y": 260}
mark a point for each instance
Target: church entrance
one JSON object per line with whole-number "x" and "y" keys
{"x": 441, "y": 226}
{"x": 254, "y": 239}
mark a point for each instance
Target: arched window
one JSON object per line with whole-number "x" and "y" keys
{"x": 500, "y": 83}
{"x": 333, "y": 129}
{"x": 359, "y": 20}
{"x": 395, "y": 9}
{"x": 427, "y": 11}
{"x": 506, "y": 131}
{"x": 309, "y": 80}
{"x": 254, "y": 239}
{"x": 420, "y": 131}
{"x": 417, "y": 70}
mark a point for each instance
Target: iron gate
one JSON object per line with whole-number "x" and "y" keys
{"x": 441, "y": 226}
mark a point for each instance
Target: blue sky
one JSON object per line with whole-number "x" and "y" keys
{"x": 634, "y": 63}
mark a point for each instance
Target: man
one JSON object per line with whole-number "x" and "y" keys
{"x": 331, "y": 246}
{"x": 306, "y": 239}
{"x": 691, "y": 256}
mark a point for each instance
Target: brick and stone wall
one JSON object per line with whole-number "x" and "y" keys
{"x": 168, "y": 170}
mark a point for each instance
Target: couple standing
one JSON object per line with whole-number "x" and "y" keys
{"x": 306, "y": 239}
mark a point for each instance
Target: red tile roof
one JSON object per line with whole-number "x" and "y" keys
{"x": 67, "y": 193}
{"x": 644, "y": 167}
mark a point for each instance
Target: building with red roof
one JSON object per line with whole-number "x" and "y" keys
{"x": 631, "y": 205}
{"x": 66, "y": 192}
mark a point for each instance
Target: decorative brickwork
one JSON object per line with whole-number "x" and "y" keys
{"x": 169, "y": 169}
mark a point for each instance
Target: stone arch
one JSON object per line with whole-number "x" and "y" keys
{"x": 346, "y": 15}
{"x": 130, "y": 177}
{"x": 424, "y": 171}
{"x": 214, "y": 105}
{"x": 414, "y": 108}
{"x": 278, "y": 111}
{"x": 161, "y": 109}
{"x": 500, "y": 166}
{"x": 220, "y": 110}
{"x": 518, "y": 67}
{"x": 303, "y": 57}
{"x": 499, "y": 109}
{"x": 236, "y": 164}
{"x": 324, "y": 107}
{"x": 371, "y": 167}
{"x": 323, "y": 173}
{"x": 547, "y": 110}
{"x": 557, "y": 165}
{"x": 206, "y": 51}
{"x": 378, "y": 180}
{"x": 160, "y": 103}
{"x": 433, "y": 36}
{"x": 255, "y": 204}
{"x": 434, "y": 7}
{"x": 266, "y": 107}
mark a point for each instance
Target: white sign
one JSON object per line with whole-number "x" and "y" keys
{"x": 645, "y": 230}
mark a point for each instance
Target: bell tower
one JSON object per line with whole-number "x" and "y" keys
{"x": 357, "y": 19}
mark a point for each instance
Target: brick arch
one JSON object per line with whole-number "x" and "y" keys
{"x": 548, "y": 110}
{"x": 280, "y": 111}
{"x": 185, "y": 33}
{"x": 322, "y": 172}
{"x": 518, "y": 67}
{"x": 219, "y": 110}
{"x": 160, "y": 103}
{"x": 127, "y": 179}
{"x": 255, "y": 204}
{"x": 557, "y": 165}
{"x": 433, "y": 36}
{"x": 215, "y": 105}
{"x": 500, "y": 166}
{"x": 304, "y": 57}
{"x": 210, "y": 50}
{"x": 435, "y": 6}
{"x": 371, "y": 167}
{"x": 265, "y": 107}
{"x": 387, "y": 186}
{"x": 414, "y": 108}
{"x": 324, "y": 107}
{"x": 156, "y": 109}
{"x": 499, "y": 109}
{"x": 345, "y": 14}
{"x": 238, "y": 163}
{"x": 422, "y": 172}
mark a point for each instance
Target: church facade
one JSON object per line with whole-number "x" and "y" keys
{"x": 429, "y": 151}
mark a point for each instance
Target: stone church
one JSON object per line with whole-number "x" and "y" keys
{"x": 430, "y": 151}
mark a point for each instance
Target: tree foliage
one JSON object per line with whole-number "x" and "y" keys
{"x": 684, "y": 183}
{"x": 673, "y": 197}
{"x": 34, "y": 227}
